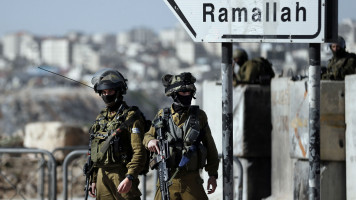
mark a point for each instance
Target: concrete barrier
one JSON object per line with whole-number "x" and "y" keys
{"x": 282, "y": 164}
{"x": 290, "y": 119}
{"x": 332, "y": 120}
{"x": 252, "y": 132}
{"x": 350, "y": 100}
{"x": 332, "y": 180}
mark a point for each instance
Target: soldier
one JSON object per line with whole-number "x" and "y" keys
{"x": 257, "y": 70}
{"x": 116, "y": 141}
{"x": 239, "y": 58}
{"x": 341, "y": 64}
{"x": 185, "y": 125}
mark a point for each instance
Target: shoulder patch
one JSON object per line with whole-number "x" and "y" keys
{"x": 135, "y": 130}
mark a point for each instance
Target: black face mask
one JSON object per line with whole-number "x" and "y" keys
{"x": 184, "y": 100}
{"x": 109, "y": 99}
{"x": 338, "y": 53}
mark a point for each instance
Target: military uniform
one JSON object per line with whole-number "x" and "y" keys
{"x": 257, "y": 70}
{"x": 116, "y": 141}
{"x": 126, "y": 157}
{"x": 339, "y": 67}
{"x": 187, "y": 184}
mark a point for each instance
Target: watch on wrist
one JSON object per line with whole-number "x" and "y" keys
{"x": 130, "y": 177}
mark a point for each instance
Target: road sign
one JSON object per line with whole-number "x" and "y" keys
{"x": 301, "y": 21}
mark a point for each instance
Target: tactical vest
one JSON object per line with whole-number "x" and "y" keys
{"x": 339, "y": 68}
{"x": 107, "y": 149}
{"x": 181, "y": 139}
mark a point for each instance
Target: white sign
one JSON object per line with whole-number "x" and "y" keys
{"x": 300, "y": 21}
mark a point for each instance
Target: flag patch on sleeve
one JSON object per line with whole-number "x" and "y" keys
{"x": 136, "y": 130}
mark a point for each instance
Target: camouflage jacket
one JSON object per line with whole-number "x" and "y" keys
{"x": 212, "y": 159}
{"x": 257, "y": 70}
{"x": 128, "y": 151}
{"x": 338, "y": 68}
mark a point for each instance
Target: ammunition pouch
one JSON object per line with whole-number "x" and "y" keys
{"x": 197, "y": 158}
{"x": 191, "y": 136}
{"x": 97, "y": 143}
{"x": 114, "y": 152}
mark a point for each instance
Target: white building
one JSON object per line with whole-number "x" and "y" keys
{"x": 172, "y": 36}
{"x": 21, "y": 45}
{"x": 168, "y": 37}
{"x": 122, "y": 39}
{"x": 168, "y": 64}
{"x": 98, "y": 38}
{"x": 30, "y": 48}
{"x": 143, "y": 35}
{"x": 186, "y": 52}
{"x": 56, "y": 51}
{"x": 85, "y": 56}
{"x": 11, "y": 46}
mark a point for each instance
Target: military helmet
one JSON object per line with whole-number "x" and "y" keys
{"x": 109, "y": 79}
{"x": 240, "y": 54}
{"x": 178, "y": 83}
{"x": 340, "y": 41}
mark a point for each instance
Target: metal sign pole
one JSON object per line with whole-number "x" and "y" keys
{"x": 314, "y": 121}
{"x": 227, "y": 137}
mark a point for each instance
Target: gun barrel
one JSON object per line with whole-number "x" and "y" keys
{"x": 86, "y": 189}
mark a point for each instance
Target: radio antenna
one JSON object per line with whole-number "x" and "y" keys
{"x": 65, "y": 77}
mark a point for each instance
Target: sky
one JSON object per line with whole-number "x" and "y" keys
{"x": 58, "y": 17}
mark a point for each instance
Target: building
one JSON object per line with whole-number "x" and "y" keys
{"x": 85, "y": 56}
{"x": 56, "y": 51}
{"x": 21, "y": 45}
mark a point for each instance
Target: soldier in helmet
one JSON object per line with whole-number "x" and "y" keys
{"x": 341, "y": 64}
{"x": 239, "y": 57}
{"x": 257, "y": 70}
{"x": 185, "y": 126}
{"x": 116, "y": 141}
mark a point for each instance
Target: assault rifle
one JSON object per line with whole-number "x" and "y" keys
{"x": 88, "y": 170}
{"x": 160, "y": 162}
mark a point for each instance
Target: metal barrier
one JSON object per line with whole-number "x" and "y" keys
{"x": 52, "y": 175}
{"x": 66, "y": 162}
{"x": 70, "y": 148}
{"x": 76, "y": 153}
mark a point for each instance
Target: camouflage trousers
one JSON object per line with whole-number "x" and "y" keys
{"x": 187, "y": 186}
{"x": 106, "y": 185}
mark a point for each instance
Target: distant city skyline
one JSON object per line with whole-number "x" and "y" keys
{"x": 43, "y": 17}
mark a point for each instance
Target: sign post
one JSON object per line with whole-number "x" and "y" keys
{"x": 277, "y": 21}
{"x": 283, "y": 21}
{"x": 314, "y": 121}
{"x": 227, "y": 122}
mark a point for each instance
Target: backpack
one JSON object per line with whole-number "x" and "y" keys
{"x": 266, "y": 72}
{"x": 257, "y": 70}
